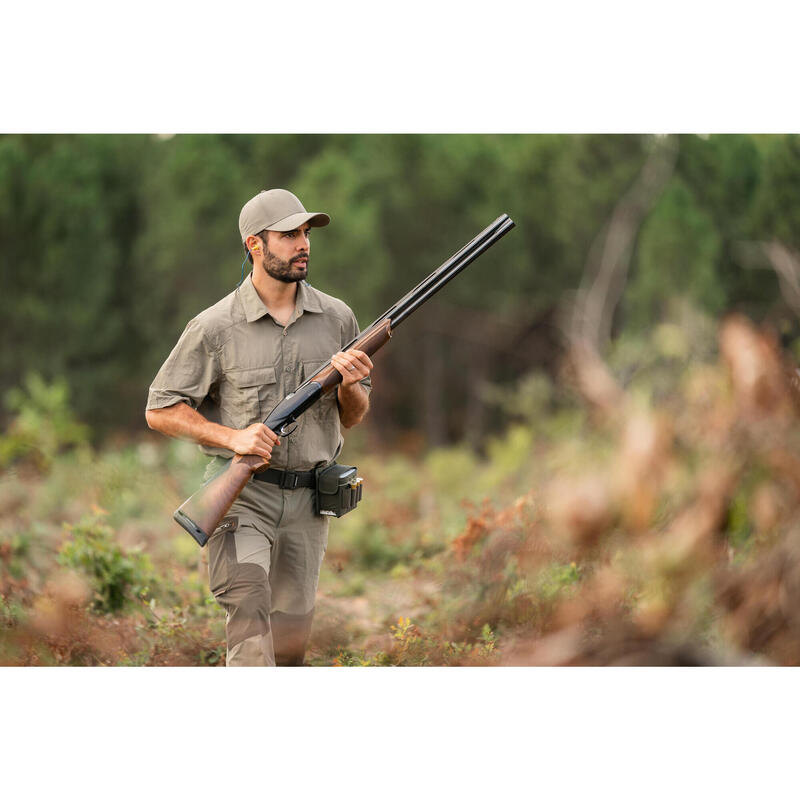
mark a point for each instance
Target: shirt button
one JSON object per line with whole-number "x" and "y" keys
{"x": 287, "y": 369}
{"x": 284, "y": 331}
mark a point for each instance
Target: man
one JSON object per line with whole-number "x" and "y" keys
{"x": 232, "y": 365}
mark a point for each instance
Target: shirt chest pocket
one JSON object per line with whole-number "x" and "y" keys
{"x": 247, "y": 396}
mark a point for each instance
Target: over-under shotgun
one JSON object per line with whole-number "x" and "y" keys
{"x": 202, "y": 513}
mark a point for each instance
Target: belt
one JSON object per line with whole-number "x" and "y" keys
{"x": 286, "y": 479}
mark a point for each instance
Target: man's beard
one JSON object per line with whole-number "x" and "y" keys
{"x": 286, "y": 271}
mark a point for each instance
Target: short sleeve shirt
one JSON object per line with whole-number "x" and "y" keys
{"x": 234, "y": 363}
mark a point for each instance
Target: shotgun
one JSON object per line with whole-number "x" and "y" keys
{"x": 202, "y": 513}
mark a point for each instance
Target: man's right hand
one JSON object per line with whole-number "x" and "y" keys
{"x": 256, "y": 439}
{"x": 182, "y": 421}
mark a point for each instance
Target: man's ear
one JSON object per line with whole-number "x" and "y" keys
{"x": 253, "y": 244}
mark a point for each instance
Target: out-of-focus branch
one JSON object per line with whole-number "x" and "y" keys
{"x": 607, "y": 267}
{"x": 786, "y": 264}
{"x": 605, "y": 275}
{"x": 777, "y": 256}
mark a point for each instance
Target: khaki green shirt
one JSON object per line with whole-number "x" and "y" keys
{"x": 234, "y": 363}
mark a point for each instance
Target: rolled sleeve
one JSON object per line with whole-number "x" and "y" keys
{"x": 188, "y": 374}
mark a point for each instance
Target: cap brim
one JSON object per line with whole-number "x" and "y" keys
{"x": 315, "y": 220}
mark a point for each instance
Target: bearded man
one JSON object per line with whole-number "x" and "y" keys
{"x": 231, "y": 366}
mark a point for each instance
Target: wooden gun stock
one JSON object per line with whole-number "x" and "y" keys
{"x": 202, "y": 513}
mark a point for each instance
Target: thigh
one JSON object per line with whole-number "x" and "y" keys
{"x": 237, "y": 543}
{"x": 299, "y": 547}
{"x": 245, "y": 536}
{"x": 239, "y": 566}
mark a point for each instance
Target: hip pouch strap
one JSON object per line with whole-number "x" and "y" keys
{"x": 338, "y": 489}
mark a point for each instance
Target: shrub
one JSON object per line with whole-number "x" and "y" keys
{"x": 116, "y": 576}
{"x": 44, "y": 423}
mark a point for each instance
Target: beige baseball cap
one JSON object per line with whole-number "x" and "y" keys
{"x": 276, "y": 210}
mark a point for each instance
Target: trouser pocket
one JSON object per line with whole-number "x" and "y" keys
{"x": 222, "y": 556}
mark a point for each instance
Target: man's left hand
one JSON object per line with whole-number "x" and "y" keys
{"x": 353, "y": 365}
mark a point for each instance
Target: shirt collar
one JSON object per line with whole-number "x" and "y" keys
{"x": 254, "y": 308}
{"x": 307, "y": 299}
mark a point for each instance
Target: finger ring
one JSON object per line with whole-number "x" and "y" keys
{"x": 351, "y": 368}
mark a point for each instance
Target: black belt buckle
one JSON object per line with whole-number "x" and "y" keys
{"x": 289, "y": 480}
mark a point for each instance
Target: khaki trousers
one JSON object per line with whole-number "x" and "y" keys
{"x": 264, "y": 562}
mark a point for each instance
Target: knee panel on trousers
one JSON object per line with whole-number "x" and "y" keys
{"x": 247, "y": 602}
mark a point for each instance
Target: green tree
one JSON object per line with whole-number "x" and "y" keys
{"x": 678, "y": 253}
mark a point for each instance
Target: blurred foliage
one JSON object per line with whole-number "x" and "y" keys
{"x": 110, "y": 244}
{"x": 44, "y": 423}
{"x": 678, "y": 255}
{"x": 116, "y": 576}
{"x": 661, "y": 532}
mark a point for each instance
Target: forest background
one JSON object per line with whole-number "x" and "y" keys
{"x": 110, "y": 244}
{"x": 629, "y": 253}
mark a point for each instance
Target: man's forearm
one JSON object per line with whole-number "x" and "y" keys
{"x": 183, "y": 422}
{"x": 353, "y": 404}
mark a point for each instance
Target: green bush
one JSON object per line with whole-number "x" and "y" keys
{"x": 44, "y": 423}
{"x": 116, "y": 576}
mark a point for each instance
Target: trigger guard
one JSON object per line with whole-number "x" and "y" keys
{"x": 284, "y": 431}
